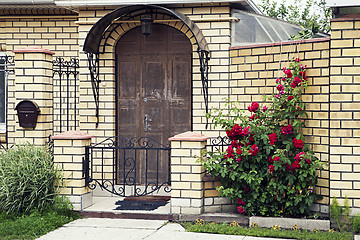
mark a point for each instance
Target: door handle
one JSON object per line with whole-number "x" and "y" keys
{"x": 146, "y": 118}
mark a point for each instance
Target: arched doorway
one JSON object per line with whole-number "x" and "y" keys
{"x": 153, "y": 91}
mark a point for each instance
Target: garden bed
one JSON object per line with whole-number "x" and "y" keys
{"x": 288, "y": 223}
{"x": 274, "y": 232}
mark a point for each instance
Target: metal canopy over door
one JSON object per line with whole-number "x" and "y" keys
{"x": 153, "y": 94}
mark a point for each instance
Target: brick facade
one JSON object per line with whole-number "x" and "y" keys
{"x": 241, "y": 74}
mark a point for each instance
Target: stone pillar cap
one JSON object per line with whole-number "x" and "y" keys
{"x": 75, "y": 135}
{"x": 33, "y": 49}
{"x": 189, "y": 136}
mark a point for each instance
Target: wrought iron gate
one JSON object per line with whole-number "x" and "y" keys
{"x": 127, "y": 166}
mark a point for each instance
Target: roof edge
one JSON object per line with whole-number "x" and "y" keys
{"x": 27, "y": 2}
{"x": 87, "y": 3}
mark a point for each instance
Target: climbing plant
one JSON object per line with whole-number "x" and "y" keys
{"x": 268, "y": 170}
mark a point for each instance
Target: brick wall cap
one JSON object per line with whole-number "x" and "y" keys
{"x": 260, "y": 45}
{"x": 33, "y": 50}
{"x": 69, "y": 135}
{"x": 190, "y": 137}
{"x": 345, "y": 18}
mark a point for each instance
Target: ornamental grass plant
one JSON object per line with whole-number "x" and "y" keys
{"x": 268, "y": 170}
{"x": 28, "y": 180}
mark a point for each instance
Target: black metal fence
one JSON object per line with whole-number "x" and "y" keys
{"x": 218, "y": 144}
{"x": 7, "y": 64}
{"x": 65, "y": 75}
{"x": 128, "y": 166}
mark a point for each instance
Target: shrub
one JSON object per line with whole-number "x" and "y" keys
{"x": 340, "y": 214}
{"x": 267, "y": 169}
{"x": 355, "y": 221}
{"x": 28, "y": 179}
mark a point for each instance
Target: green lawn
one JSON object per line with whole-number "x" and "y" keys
{"x": 32, "y": 226}
{"x": 265, "y": 232}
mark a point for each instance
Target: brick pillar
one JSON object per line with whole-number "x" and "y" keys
{"x": 344, "y": 110}
{"x": 69, "y": 151}
{"x": 33, "y": 81}
{"x": 187, "y": 173}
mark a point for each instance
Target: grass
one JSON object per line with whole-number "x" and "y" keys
{"x": 234, "y": 229}
{"x": 33, "y": 225}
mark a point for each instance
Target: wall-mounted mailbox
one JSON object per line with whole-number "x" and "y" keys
{"x": 27, "y": 112}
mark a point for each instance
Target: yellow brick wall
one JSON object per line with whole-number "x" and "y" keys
{"x": 57, "y": 32}
{"x": 344, "y": 110}
{"x": 254, "y": 70}
{"x": 217, "y": 34}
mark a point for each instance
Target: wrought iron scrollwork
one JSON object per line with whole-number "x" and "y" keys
{"x": 7, "y": 64}
{"x": 67, "y": 73}
{"x": 204, "y": 69}
{"x": 219, "y": 144}
{"x": 93, "y": 60}
{"x": 126, "y": 154}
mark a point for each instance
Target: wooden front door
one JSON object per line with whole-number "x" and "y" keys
{"x": 153, "y": 91}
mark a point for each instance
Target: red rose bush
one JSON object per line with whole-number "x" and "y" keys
{"x": 268, "y": 170}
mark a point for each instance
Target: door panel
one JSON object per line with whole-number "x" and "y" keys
{"x": 154, "y": 94}
{"x": 128, "y": 95}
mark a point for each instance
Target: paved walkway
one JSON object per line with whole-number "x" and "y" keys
{"x": 124, "y": 229}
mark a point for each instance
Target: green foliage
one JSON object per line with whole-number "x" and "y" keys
{"x": 340, "y": 214}
{"x": 313, "y": 15}
{"x": 233, "y": 229}
{"x": 33, "y": 225}
{"x": 268, "y": 170}
{"x": 28, "y": 179}
{"x": 355, "y": 221}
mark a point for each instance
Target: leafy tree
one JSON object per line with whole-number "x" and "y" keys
{"x": 312, "y": 15}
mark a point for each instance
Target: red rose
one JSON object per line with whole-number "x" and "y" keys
{"x": 253, "y": 107}
{"x": 234, "y": 132}
{"x": 238, "y": 151}
{"x": 280, "y": 87}
{"x": 298, "y": 143}
{"x": 308, "y": 161}
{"x": 264, "y": 108}
{"x": 235, "y": 144}
{"x": 241, "y": 210}
{"x": 272, "y": 138}
{"x": 240, "y": 202}
{"x": 298, "y": 156}
{"x": 276, "y": 159}
{"x": 271, "y": 168}
{"x": 297, "y": 59}
{"x": 287, "y": 130}
{"x": 246, "y": 131}
{"x": 288, "y": 73}
{"x": 254, "y": 150}
{"x": 295, "y": 165}
{"x": 253, "y": 117}
{"x": 230, "y": 152}
{"x": 290, "y": 98}
{"x": 296, "y": 82}
{"x": 288, "y": 167}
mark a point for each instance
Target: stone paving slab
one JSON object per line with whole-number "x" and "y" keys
{"x": 175, "y": 231}
{"x": 131, "y": 229}
{"x": 117, "y": 223}
{"x": 91, "y": 233}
